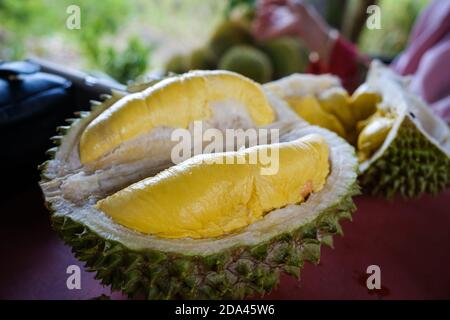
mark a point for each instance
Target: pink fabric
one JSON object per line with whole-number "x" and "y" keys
{"x": 428, "y": 57}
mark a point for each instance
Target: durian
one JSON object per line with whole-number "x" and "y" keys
{"x": 153, "y": 228}
{"x": 177, "y": 64}
{"x": 247, "y": 61}
{"x": 309, "y": 108}
{"x": 227, "y": 35}
{"x": 287, "y": 55}
{"x": 202, "y": 59}
{"x": 403, "y": 148}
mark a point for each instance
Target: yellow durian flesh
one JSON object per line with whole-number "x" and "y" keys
{"x": 200, "y": 199}
{"x": 348, "y": 116}
{"x": 175, "y": 103}
{"x": 309, "y": 108}
{"x": 364, "y": 103}
{"x": 336, "y": 101}
{"x": 373, "y": 135}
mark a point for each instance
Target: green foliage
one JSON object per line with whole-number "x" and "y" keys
{"x": 127, "y": 64}
{"x": 97, "y": 21}
{"x": 36, "y": 20}
{"x": 106, "y": 20}
{"x": 17, "y": 19}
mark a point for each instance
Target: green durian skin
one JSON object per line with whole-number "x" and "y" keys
{"x": 249, "y": 62}
{"x": 202, "y": 59}
{"x": 177, "y": 64}
{"x": 409, "y": 167}
{"x": 227, "y": 35}
{"x": 287, "y": 55}
{"x": 233, "y": 274}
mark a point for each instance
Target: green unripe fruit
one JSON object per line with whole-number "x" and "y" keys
{"x": 288, "y": 55}
{"x": 227, "y": 35}
{"x": 249, "y": 62}
{"x": 202, "y": 59}
{"x": 177, "y": 64}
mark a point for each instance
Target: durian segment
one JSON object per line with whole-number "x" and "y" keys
{"x": 360, "y": 125}
{"x": 364, "y": 102}
{"x": 311, "y": 97}
{"x": 211, "y": 195}
{"x": 301, "y": 84}
{"x": 336, "y": 101}
{"x": 174, "y": 102}
{"x": 331, "y": 108}
{"x": 308, "y": 108}
{"x": 373, "y": 135}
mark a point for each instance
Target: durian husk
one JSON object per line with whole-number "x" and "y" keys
{"x": 415, "y": 156}
{"x": 233, "y": 266}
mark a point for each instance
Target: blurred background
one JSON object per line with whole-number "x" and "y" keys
{"x": 125, "y": 39}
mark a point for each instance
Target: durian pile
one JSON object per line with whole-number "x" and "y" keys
{"x": 153, "y": 228}
{"x": 232, "y": 47}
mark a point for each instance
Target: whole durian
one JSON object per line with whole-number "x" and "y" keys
{"x": 197, "y": 229}
{"x": 228, "y": 34}
{"x": 403, "y": 148}
{"x": 247, "y": 61}
{"x": 287, "y": 55}
{"x": 177, "y": 64}
{"x": 202, "y": 59}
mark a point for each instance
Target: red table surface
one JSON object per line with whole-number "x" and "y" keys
{"x": 408, "y": 240}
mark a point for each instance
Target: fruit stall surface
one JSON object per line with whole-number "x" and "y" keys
{"x": 408, "y": 240}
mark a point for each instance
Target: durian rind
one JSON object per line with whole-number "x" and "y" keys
{"x": 51, "y": 168}
{"x": 411, "y": 166}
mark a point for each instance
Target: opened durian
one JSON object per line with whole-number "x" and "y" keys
{"x": 215, "y": 225}
{"x": 403, "y": 148}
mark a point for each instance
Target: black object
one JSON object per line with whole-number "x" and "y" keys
{"x": 36, "y": 96}
{"x": 26, "y": 92}
{"x": 85, "y": 85}
{"x": 32, "y": 104}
